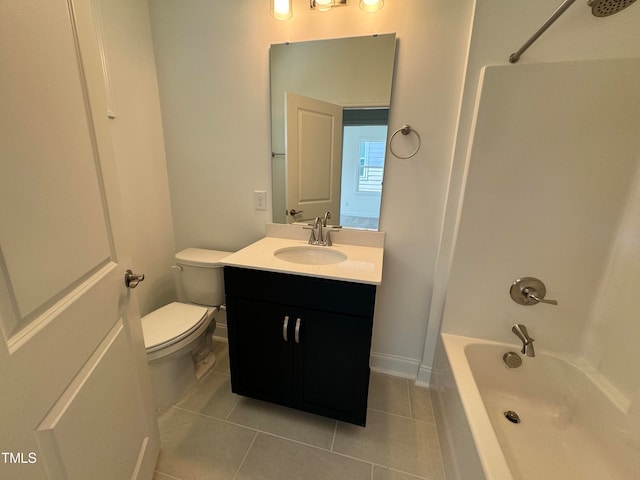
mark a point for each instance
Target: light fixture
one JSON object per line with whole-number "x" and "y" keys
{"x": 371, "y": 5}
{"x": 324, "y": 5}
{"x": 281, "y": 9}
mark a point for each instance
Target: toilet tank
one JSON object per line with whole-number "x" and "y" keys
{"x": 200, "y": 277}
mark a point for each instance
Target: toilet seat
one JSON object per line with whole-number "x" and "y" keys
{"x": 172, "y": 323}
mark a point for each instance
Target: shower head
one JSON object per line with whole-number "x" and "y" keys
{"x": 604, "y": 8}
{"x": 599, "y": 8}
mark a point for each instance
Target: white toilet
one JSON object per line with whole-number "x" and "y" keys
{"x": 177, "y": 337}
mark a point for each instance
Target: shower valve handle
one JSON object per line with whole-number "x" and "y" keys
{"x": 529, "y": 291}
{"x": 533, "y": 295}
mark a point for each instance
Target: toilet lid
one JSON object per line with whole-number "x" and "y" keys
{"x": 171, "y": 322}
{"x": 201, "y": 257}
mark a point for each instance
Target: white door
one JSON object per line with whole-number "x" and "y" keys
{"x": 76, "y": 398}
{"x": 314, "y": 156}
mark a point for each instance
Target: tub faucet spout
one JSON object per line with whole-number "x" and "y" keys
{"x": 527, "y": 342}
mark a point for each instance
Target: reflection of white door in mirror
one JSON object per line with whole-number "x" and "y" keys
{"x": 313, "y": 157}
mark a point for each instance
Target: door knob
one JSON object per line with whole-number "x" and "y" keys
{"x": 131, "y": 279}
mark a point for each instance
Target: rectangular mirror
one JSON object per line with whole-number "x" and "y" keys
{"x": 329, "y": 108}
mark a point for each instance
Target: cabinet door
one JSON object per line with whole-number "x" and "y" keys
{"x": 261, "y": 358}
{"x": 331, "y": 362}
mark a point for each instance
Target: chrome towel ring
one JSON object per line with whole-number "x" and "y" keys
{"x": 406, "y": 130}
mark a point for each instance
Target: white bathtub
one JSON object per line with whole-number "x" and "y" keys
{"x": 573, "y": 425}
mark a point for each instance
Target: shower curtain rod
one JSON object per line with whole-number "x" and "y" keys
{"x": 554, "y": 16}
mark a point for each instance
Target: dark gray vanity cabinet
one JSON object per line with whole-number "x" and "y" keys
{"x": 300, "y": 341}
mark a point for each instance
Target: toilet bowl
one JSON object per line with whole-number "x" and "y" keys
{"x": 178, "y": 336}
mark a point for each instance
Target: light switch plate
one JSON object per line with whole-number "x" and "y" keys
{"x": 260, "y": 199}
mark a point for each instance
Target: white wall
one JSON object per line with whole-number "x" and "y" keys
{"x": 213, "y": 70}
{"x": 139, "y": 147}
{"x": 500, "y": 28}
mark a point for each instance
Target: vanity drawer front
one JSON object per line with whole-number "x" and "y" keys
{"x": 307, "y": 292}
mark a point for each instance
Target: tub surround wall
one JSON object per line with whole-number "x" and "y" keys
{"x": 551, "y": 166}
{"x": 610, "y": 339}
{"x": 500, "y": 28}
{"x": 546, "y": 196}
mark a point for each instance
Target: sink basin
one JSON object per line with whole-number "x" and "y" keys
{"x": 310, "y": 255}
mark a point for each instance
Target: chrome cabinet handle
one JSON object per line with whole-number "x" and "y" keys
{"x": 131, "y": 279}
{"x": 285, "y": 328}
{"x": 297, "y": 332}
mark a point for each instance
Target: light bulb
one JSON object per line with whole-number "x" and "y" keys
{"x": 281, "y": 9}
{"x": 323, "y": 5}
{"x": 371, "y": 5}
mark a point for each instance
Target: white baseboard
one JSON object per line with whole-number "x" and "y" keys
{"x": 393, "y": 365}
{"x": 424, "y": 376}
{"x": 220, "y": 332}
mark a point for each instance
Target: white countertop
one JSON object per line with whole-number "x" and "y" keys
{"x": 363, "y": 263}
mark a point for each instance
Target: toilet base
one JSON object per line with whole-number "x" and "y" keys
{"x": 171, "y": 379}
{"x": 203, "y": 367}
{"x": 172, "y": 376}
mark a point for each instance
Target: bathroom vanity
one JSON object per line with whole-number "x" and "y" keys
{"x": 300, "y": 341}
{"x": 300, "y": 334}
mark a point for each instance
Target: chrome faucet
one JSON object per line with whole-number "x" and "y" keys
{"x": 527, "y": 342}
{"x": 318, "y": 236}
{"x": 317, "y": 227}
{"x": 327, "y": 216}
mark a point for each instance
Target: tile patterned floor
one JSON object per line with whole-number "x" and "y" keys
{"x": 213, "y": 434}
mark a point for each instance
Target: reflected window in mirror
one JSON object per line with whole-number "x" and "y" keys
{"x": 363, "y": 153}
